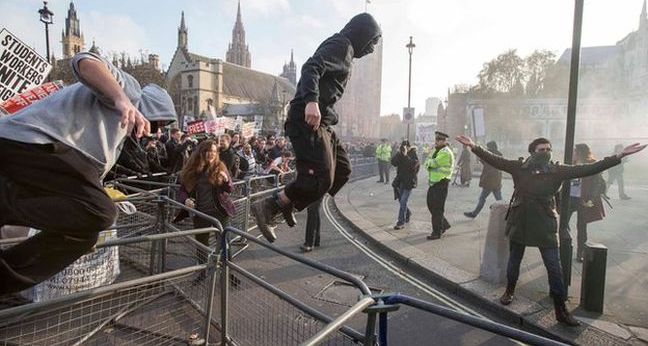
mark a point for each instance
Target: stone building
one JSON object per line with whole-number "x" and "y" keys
{"x": 290, "y": 70}
{"x": 202, "y": 87}
{"x": 71, "y": 36}
{"x": 239, "y": 52}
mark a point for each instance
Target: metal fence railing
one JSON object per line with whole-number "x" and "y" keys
{"x": 173, "y": 290}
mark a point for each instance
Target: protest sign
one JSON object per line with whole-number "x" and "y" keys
{"x": 195, "y": 127}
{"x": 247, "y": 130}
{"x": 28, "y": 97}
{"x": 215, "y": 127}
{"x": 21, "y": 68}
{"x": 95, "y": 269}
{"x": 425, "y": 132}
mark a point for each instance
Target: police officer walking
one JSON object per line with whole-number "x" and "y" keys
{"x": 532, "y": 216}
{"x": 383, "y": 155}
{"x": 439, "y": 167}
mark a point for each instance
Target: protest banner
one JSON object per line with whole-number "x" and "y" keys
{"x": 215, "y": 127}
{"x": 195, "y": 127}
{"x": 95, "y": 269}
{"x": 425, "y": 132}
{"x": 21, "y": 68}
{"x": 28, "y": 97}
{"x": 247, "y": 129}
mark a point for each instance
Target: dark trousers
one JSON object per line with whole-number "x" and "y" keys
{"x": 436, "y": 198}
{"x": 383, "y": 170}
{"x": 551, "y": 260}
{"x": 55, "y": 189}
{"x": 203, "y": 238}
{"x": 313, "y": 224}
{"x": 322, "y": 165}
{"x": 482, "y": 199}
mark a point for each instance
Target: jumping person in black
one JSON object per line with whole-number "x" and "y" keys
{"x": 322, "y": 163}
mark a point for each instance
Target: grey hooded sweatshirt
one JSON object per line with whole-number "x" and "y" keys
{"x": 84, "y": 119}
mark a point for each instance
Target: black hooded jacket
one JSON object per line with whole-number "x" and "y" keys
{"x": 325, "y": 74}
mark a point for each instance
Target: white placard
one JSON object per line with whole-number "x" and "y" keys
{"x": 21, "y": 68}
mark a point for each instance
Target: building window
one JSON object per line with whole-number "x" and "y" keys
{"x": 190, "y": 81}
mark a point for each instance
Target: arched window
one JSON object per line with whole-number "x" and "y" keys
{"x": 190, "y": 79}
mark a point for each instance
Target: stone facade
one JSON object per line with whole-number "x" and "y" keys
{"x": 239, "y": 52}
{"x": 72, "y": 37}
{"x": 202, "y": 87}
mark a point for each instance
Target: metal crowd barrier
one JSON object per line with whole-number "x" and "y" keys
{"x": 173, "y": 290}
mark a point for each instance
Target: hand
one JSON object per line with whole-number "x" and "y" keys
{"x": 189, "y": 202}
{"x": 312, "y": 115}
{"x": 224, "y": 175}
{"x": 631, "y": 149}
{"x": 131, "y": 116}
{"x": 465, "y": 140}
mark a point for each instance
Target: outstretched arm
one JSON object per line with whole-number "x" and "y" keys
{"x": 97, "y": 76}
{"x": 570, "y": 172}
{"x": 496, "y": 161}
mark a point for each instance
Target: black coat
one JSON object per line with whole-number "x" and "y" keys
{"x": 407, "y": 167}
{"x": 532, "y": 219}
{"x": 325, "y": 74}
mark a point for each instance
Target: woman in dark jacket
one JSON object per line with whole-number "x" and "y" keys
{"x": 585, "y": 198}
{"x": 407, "y": 166}
{"x": 208, "y": 185}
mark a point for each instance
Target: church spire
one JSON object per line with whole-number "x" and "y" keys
{"x": 182, "y": 33}
{"x": 72, "y": 37}
{"x": 238, "y": 52}
{"x": 643, "y": 18}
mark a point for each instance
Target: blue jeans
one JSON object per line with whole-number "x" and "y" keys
{"x": 482, "y": 199}
{"x": 551, "y": 260}
{"x": 402, "y": 211}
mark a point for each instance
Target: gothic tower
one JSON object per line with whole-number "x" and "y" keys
{"x": 290, "y": 70}
{"x": 183, "y": 36}
{"x": 238, "y": 52}
{"x": 72, "y": 37}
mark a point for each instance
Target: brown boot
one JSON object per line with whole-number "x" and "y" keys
{"x": 563, "y": 316}
{"x": 507, "y": 297}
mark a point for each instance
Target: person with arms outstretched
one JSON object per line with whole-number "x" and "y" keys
{"x": 532, "y": 216}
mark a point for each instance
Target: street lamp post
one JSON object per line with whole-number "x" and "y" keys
{"x": 410, "y": 49}
{"x": 46, "y": 16}
{"x": 565, "y": 238}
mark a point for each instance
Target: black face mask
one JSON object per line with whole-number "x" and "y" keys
{"x": 538, "y": 159}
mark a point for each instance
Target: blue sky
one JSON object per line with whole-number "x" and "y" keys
{"x": 453, "y": 38}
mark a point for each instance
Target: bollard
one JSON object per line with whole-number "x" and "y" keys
{"x": 593, "y": 279}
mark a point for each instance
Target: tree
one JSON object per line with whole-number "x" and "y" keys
{"x": 538, "y": 64}
{"x": 504, "y": 74}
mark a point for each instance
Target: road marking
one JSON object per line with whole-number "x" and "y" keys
{"x": 400, "y": 272}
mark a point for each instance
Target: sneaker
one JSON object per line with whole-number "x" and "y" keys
{"x": 399, "y": 226}
{"x": 470, "y": 214}
{"x": 433, "y": 236}
{"x": 305, "y": 248}
{"x": 264, "y": 211}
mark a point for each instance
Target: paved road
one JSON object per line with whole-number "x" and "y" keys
{"x": 407, "y": 326}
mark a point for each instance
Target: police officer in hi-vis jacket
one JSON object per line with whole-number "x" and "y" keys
{"x": 439, "y": 167}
